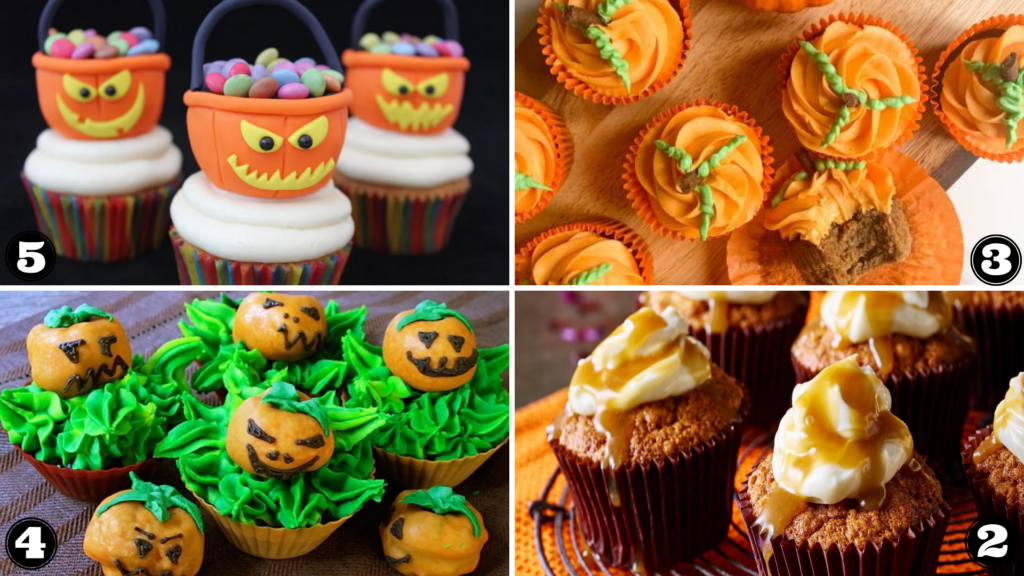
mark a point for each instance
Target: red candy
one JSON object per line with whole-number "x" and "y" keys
{"x": 442, "y": 49}
{"x": 62, "y": 48}
{"x": 240, "y": 68}
{"x": 130, "y": 38}
{"x": 214, "y": 81}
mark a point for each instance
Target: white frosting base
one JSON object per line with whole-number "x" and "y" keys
{"x": 911, "y": 318}
{"x": 1009, "y": 422}
{"x": 271, "y": 230}
{"x": 103, "y": 167}
{"x": 390, "y": 158}
{"x": 753, "y": 297}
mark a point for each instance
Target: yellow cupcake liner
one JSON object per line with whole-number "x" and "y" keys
{"x": 415, "y": 474}
{"x": 608, "y": 229}
{"x": 562, "y": 140}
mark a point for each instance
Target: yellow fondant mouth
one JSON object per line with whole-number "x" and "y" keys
{"x": 108, "y": 128}
{"x": 292, "y": 181}
{"x": 405, "y": 116}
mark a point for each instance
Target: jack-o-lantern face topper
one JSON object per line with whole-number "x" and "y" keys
{"x": 85, "y": 100}
{"x": 280, "y": 433}
{"x": 431, "y": 348}
{"x": 76, "y": 351}
{"x": 433, "y": 531}
{"x": 148, "y": 530}
{"x": 278, "y": 153}
{"x": 414, "y": 100}
{"x": 286, "y": 327}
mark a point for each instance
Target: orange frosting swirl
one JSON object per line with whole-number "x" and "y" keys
{"x": 561, "y": 257}
{"x": 810, "y": 207}
{"x": 647, "y": 33}
{"x": 869, "y": 59}
{"x": 535, "y": 156}
{"x": 735, "y": 184}
{"x": 971, "y": 103}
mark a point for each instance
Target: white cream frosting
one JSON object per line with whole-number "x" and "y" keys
{"x": 753, "y": 297}
{"x": 103, "y": 167}
{"x": 271, "y": 230}
{"x": 859, "y": 316}
{"x": 393, "y": 159}
{"x": 1009, "y": 421}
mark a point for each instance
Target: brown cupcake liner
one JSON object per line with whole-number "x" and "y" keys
{"x": 671, "y": 512}
{"x": 92, "y": 485}
{"x": 915, "y": 552}
{"x": 861, "y": 19}
{"x": 988, "y": 503}
{"x": 1000, "y": 336}
{"x": 562, "y": 140}
{"x": 584, "y": 90}
{"x": 1001, "y": 22}
{"x": 416, "y": 474}
{"x": 607, "y": 228}
{"x": 638, "y": 194}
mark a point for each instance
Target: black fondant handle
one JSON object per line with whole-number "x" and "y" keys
{"x": 199, "y": 46}
{"x": 451, "y": 19}
{"x": 159, "y": 21}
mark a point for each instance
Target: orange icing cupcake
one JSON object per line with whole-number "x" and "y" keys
{"x": 615, "y": 51}
{"x": 580, "y": 257}
{"x": 543, "y": 153}
{"x": 853, "y": 88}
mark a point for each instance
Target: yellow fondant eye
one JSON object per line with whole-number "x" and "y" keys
{"x": 77, "y": 89}
{"x": 260, "y": 139}
{"x": 433, "y": 87}
{"x": 395, "y": 84}
{"x": 310, "y": 135}
{"x": 117, "y": 86}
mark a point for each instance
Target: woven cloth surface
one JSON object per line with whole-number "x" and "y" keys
{"x": 150, "y": 319}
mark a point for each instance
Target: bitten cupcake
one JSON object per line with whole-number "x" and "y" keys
{"x": 648, "y": 444}
{"x": 700, "y": 170}
{"x": 996, "y": 321}
{"x": 976, "y": 88}
{"x": 615, "y": 52}
{"x": 748, "y": 334}
{"x": 844, "y": 486}
{"x": 543, "y": 156}
{"x": 604, "y": 253}
{"x": 852, "y": 85}
{"x": 910, "y": 341}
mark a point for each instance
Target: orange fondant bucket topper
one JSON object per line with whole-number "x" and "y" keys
{"x": 104, "y": 99}
{"x": 408, "y": 94}
{"x": 255, "y": 146}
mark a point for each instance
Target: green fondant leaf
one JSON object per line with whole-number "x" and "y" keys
{"x": 591, "y": 275}
{"x": 64, "y": 316}
{"x": 430, "y": 311}
{"x": 157, "y": 499}
{"x": 284, "y": 396}
{"x": 442, "y": 500}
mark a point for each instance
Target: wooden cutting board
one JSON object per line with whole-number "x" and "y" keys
{"x": 735, "y": 59}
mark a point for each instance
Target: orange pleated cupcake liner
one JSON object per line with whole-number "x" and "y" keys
{"x": 861, "y": 19}
{"x": 638, "y": 194}
{"x": 562, "y": 139}
{"x": 410, "y": 473}
{"x": 582, "y": 89}
{"x": 1001, "y": 22}
{"x": 786, "y": 6}
{"x": 607, "y": 228}
{"x": 91, "y": 485}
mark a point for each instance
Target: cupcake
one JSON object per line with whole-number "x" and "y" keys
{"x": 976, "y": 88}
{"x": 844, "y": 486}
{"x": 841, "y": 106}
{"x": 748, "y": 334}
{"x": 432, "y": 532}
{"x": 442, "y": 398}
{"x": 615, "y": 52}
{"x": 783, "y": 5}
{"x": 543, "y": 156}
{"x": 996, "y": 321}
{"x": 910, "y": 341}
{"x": 700, "y": 170}
{"x": 994, "y": 461}
{"x": 648, "y": 444}
{"x": 604, "y": 253}
{"x": 93, "y": 413}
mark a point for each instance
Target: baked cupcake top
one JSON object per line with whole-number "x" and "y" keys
{"x": 718, "y": 311}
{"x": 809, "y": 202}
{"x": 702, "y": 171}
{"x": 852, "y": 90}
{"x": 981, "y": 90}
{"x": 535, "y": 159}
{"x": 580, "y": 257}
{"x": 619, "y": 48}
{"x": 1008, "y": 434}
{"x": 985, "y": 298}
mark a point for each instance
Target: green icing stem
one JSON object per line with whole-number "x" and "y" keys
{"x": 707, "y": 210}
{"x": 677, "y": 154}
{"x": 608, "y": 52}
{"x": 527, "y": 182}
{"x": 1011, "y": 95}
{"x": 591, "y": 275}
{"x": 819, "y": 166}
{"x": 799, "y": 177}
{"x": 607, "y": 9}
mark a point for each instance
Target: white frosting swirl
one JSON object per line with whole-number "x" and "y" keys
{"x": 103, "y": 167}
{"x": 859, "y": 316}
{"x": 754, "y": 297}
{"x": 1009, "y": 422}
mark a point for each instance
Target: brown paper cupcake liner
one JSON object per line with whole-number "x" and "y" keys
{"x": 92, "y": 485}
{"x": 862, "y": 19}
{"x": 988, "y": 503}
{"x": 584, "y": 90}
{"x": 415, "y": 473}
{"x": 1001, "y": 22}
{"x": 562, "y": 140}
{"x": 1000, "y": 336}
{"x": 670, "y": 512}
{"x": 638, "y": 194}
{"x": 607, "y": 228}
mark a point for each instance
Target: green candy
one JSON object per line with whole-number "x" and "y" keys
{"x": 369, "y": 40}
{"x": 238, "y": 85}
{"x": 314, "y": 80}
{"x": 333, "y": 74}
{"x": 275, "y": 62}
{"x": 51, "y": 39}
{"x": 390, "y": 37}
{"x": 77, "y": 36}
{"x": 121, "y": 45}
{"x": 268, "y": 56}
{"x": 114, "y": 35}
{"x": 381, "y": 48}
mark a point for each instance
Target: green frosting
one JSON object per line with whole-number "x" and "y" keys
{"x": 316, "y": 377}
{"x": 64, "y": 316}
{"x": 610, "y": 54}
{"x": 798, "y": 177}
{"x": 442, "y": 500}
{"x": 33, "y": 418}
{"x": 157, "y": 499}
{"x": 285, "y": 397}
{"x": 430, "y": 311}
{"x": 591, "y": 275}
{"x": 1011, "y": 95}
{"x": 819, "y": 166}
{"x": 526, "y": 182}
{"x": 607, "y": 9}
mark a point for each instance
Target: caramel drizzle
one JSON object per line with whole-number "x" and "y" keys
{"x": 718, "y": 314}
{"x": 989, "y": 446}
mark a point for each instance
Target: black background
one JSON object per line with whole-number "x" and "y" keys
{"x": 478, "y": 252}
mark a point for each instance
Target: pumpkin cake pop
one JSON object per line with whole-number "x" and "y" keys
{"x": 285, "y": 327}
{"x": 431, "y": 348}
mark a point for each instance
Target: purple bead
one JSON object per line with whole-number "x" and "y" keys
{"x": 83, "y": 51}
{"x": 322, "y": 67}
{"x": 90, "y": 33}
{"x": 569, "y": 334}
{"x": 259, "y": 72}
{"x": 287, "y": 66}
{"x": 426, "y": 50}
{"x": 591, "y": 334}
{"x": 141, "y": 32}
{"x": 293, "y": 92}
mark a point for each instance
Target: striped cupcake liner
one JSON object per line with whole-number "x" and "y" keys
{"x": 103, "y": 228}
{"x": 198, "y": 267}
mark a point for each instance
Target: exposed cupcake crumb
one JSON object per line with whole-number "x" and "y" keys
{"x": 980, "y": 299}
{"x": 1005, "y": 475}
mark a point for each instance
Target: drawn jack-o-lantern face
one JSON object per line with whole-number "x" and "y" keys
{"x": 417, "y": 540}
{"x": 77, "y": 355}
{"x": 286, "y": 327}
{"x": 267, "y": 439}
{"x": 431, "y": 348}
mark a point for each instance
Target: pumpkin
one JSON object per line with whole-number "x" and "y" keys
{"x": 280, "y": 433}
{"x": 74, "y": 352}
{"x": 285, "y": 327}
{"x": 783, "y": 5}
{"x": 431, "y": 348}
{"x": 432, "y": 533}
{"x": 149, "y": 529}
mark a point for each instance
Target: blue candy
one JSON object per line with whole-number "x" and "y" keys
{"x": 259, "y": 72}
{"x": 301, "y": 60}
{"x": 147, "y": 46}
{"x": 403, "y": 48}
{"x": 284, "y": 77}
{"x": 141, "y": 32}
{"x": 426, "y": 50}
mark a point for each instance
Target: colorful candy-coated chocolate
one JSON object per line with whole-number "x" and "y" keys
{"x": 426, "y": 50}
{"x": 322, "y": 67}
{"x": 50, "y": 40}
{"x": 284, "y": 77}
{"x": 454, "y": 48}
{"x": 77, "y": 36}
{"x": 130, "y": 38}
{"x": 142, "y": 33}
{"x": 239, "y": 68}
{"x": 306, "y": 60}
{"x": 121, "y": 45}
{"x": 113, "y": 35}
{"x": 98, "y": 41}
{"x": 293, "y": 92}
{"x": 62, "y": 48}
{"x": 332, "y": 84}
{"x": 83, "y": 51}
{"x": 285, "y": 65}
{"x": 403, "y": 49}
{"x": 301, "y": 67}
{"x": 238, "y": 85}
{"x": 381, "y": 48}
{"x": 147, "y": 46}
{"x": 334, "y": 74}
{"x": 431, "y": 39}
{"x": 273, "y": 63}
{"x": 267, "y": 56}
{"x": 90, "y": 33}
{"x": 314, "y": 80}
{"x": 442, "y": 49}
{"x": 215, "y": 82}
{"x": 225, "y": 70}
{"x": 265, "y": 87}
{"x": 390, "y": 37}
{"x": 259, "y": 72}
{"x": 106, "y": 51}
{"x": 369, "y": 40}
